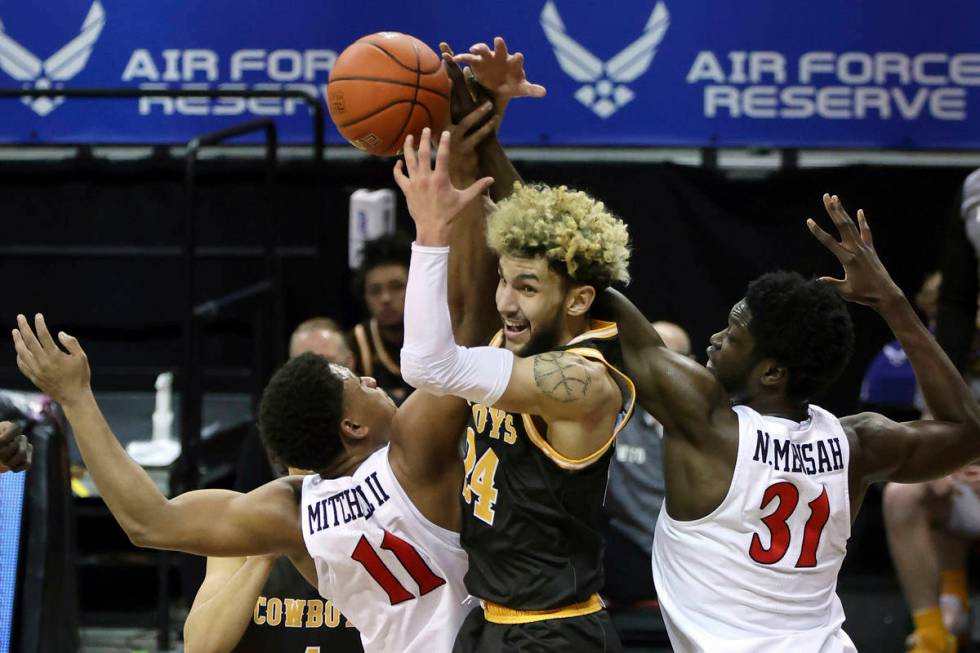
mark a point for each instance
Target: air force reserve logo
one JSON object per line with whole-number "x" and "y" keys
{"x": 604, "y": 87}
{"x": 24, "y": 66}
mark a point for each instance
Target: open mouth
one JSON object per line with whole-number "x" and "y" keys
{"x": 514, "y": 329}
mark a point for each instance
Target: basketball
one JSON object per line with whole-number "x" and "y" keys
{"x": 384, "y": 87}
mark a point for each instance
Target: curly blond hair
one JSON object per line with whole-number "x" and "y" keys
{"x": 575, "y": 232}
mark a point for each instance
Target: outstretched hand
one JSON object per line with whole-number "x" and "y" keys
{"x": 65, "y": 377}
{"x": 866, "y": 281}
{"x": 433, "y": 202}
{"x": 500, "y": 72}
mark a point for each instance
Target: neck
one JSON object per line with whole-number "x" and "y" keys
{"x": 573, "y": 328}
{"x": 778, "y": 407}
{"x": 346, "y": 462}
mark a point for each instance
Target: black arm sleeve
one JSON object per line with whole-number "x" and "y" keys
{"x": 956, "y": 320}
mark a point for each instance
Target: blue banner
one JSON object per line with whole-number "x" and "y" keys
{"x": 837, "y": 73}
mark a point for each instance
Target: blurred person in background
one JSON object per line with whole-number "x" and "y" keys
{"x": 380, "y": 284}
{"x": 635, "y": 495}
{"x": 889, "y": 384}
{"x": 322, "y": 335}
{"x": 931, "y": 526}
{"x": 15, "y": 450}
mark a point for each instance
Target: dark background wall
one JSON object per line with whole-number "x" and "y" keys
{"x": 699, "y": 237}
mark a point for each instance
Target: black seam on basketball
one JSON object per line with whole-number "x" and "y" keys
{"x": 375, "y": 112}
{"x": 388, "y": 81}
{"x": 418, "y": 78}
{"x": 418, "y": 61}
{"x": 422, "y": 106}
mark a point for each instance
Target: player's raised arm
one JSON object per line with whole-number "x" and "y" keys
{"x": 683, "y": 395}
{"x": 887, "y": 450}
{"x": 204, "y": 522}
{"x": 559, "y": 385}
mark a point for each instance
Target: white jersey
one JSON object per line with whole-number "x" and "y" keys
{"x": 394, "y": 574}
{"x": 759, "y": 574}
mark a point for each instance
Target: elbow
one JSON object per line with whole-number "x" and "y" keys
{"x": 416, "y": 370}
{"x": 139, "y": 536}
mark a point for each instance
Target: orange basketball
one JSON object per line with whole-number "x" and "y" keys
{"x": 384, "y": 87}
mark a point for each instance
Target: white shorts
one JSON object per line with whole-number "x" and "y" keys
{"x": 964, "y": 514}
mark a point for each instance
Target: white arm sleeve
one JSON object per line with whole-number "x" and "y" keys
{"x": 430, "y": 358}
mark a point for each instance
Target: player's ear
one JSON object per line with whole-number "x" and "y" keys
{"x": 351, "y": 429}
{"x": 579, "y": 300}
{"x": 774, "y": 375}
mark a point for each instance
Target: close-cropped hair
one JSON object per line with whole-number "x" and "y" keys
{"x": 804, "y": 325}
{"x": 300, "y": 412}
{"x": 576, "y": 233}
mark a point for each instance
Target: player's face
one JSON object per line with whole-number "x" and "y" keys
{"x": 366, "y": 403}
{"x": 730, "y": 351}
{"x": 530, "y": 300}
{"x": 384, "y": 293}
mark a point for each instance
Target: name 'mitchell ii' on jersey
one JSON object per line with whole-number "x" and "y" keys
{"x": 531, "y": 516}
{"x": 393, "y": 573}
{"x": 759, "y": 573}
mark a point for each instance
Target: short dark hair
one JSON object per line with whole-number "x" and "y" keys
{"x": 392, "y": 249}
{"x": 300, "y": 412}
{"x": 803, "y": 324}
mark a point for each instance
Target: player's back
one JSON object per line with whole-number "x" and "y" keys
{"x": 760, "y": 572}
{"x": 394, "y": 574}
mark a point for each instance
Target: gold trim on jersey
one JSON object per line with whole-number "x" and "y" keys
{"x": 382, "y": 351}
{"x": 581, "y": 463}
{"x": 501, "y": 614}
{"x": 601, "y": 330}
{"x": 364, "y": 350}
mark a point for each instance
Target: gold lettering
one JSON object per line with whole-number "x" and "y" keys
{"x": 479, "y": 417}
{"x": 333, "y": 615}
{"x": 294, "y": 612}
{"x": 314, "y": 613}
{"x": 510, "y": 435}
{"x": 273, "y": 611}
{"x": 497, "y": 417}
{"x": 257, "y": 615}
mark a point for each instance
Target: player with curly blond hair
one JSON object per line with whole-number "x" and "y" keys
{"x": 547, "y": 402}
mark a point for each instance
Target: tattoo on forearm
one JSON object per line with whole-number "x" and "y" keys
{"x": 562, "y": 376}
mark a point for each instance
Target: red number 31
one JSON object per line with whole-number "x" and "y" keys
{"x": 789, "y": 497}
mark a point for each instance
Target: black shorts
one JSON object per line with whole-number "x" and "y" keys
{"x": 591, "y": 633}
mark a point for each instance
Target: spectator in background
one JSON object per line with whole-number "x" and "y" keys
{"x": 635, "y": 495}
{"x": 380, "y": 283}
{"x": 262, "y": 603}
{"x": 15, "y": 450}
{"x": 322, "y": 335}
{"x": 931, "y": 525}
{"x": 889, "y": 383}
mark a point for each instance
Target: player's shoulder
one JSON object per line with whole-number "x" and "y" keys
{"x": 866, "y": 426}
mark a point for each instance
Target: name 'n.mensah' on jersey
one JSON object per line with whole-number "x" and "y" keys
{"x": 809, "y": 458}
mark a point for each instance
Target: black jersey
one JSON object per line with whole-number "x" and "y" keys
{"x": 374, "y": 360}
{"x": 291, "y": 617}
{"x": 531, "y": 516}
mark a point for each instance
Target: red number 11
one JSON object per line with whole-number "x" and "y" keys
{"x": 779, "y": 534}
{"x": 409, "y": 558}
